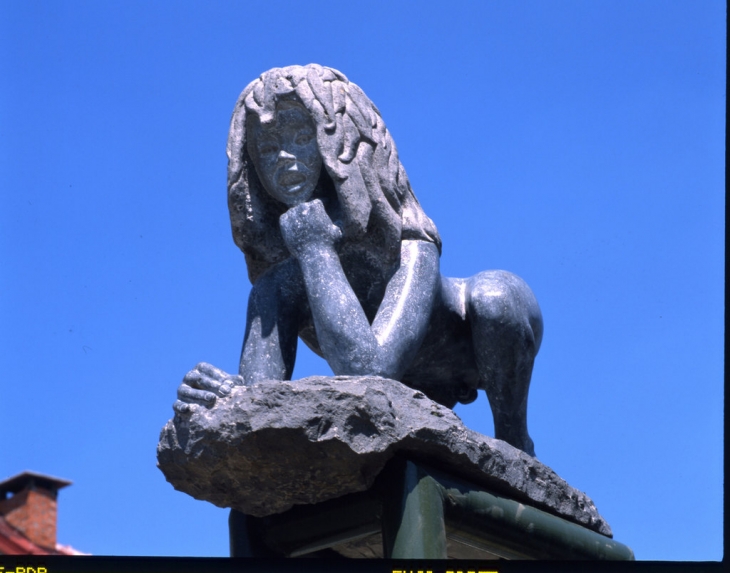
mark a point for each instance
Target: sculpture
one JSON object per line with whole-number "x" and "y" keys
{"x": 341, "y": 254}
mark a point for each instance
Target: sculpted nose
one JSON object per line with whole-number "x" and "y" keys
{"x": 286, "y": 156}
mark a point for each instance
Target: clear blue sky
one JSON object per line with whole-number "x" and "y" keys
{"x": 577, "y": 144}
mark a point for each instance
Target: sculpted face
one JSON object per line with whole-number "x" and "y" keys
{"x": 286, "y": 155}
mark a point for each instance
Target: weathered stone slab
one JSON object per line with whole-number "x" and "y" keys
{"x": 267, "y": 447}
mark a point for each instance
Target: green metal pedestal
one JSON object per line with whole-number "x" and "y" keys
{"x": 413, "y": 515}
{"x": 416, "y": 512}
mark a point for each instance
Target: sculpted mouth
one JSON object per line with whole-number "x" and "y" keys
{"x": 292, "y": 178}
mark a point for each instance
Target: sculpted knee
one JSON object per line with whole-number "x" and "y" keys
{"x": 504, "y": 303}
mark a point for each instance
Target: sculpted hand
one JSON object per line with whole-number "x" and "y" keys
{"x": 308, "y": 224}
{"x": 201, "y": 386}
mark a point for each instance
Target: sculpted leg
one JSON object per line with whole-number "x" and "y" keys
{"x": 507, "y": 330}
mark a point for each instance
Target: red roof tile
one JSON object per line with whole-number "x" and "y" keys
{"x": 12, "y": 542}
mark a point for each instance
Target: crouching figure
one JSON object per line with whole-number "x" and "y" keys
{"x": 341, "y": 254}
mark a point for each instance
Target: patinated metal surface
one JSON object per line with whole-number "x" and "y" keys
{"x": 415, "y": 512}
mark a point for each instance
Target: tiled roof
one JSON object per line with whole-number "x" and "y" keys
{"x": 12, "y": 542}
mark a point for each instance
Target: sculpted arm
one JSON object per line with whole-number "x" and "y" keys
{"x": 351, "y": 345}
{"x": 270, "y": 342}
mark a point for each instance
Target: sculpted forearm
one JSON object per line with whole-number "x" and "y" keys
{"x": 343, "y": 330}
{"x": 263, "y": 357}
{"x": 350, "y": 344}
{"x": 272, "y": 323}
{"x": 402, "y": 320}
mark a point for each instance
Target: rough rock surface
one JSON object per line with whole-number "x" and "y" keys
{"x": 267, "y": 447}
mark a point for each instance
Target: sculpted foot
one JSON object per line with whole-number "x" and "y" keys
{"x": 519, "y": 439}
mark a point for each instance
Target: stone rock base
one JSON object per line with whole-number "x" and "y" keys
{"x": 270, "y": 446}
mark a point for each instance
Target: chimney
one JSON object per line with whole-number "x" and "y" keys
{"x": 28, "y": 503}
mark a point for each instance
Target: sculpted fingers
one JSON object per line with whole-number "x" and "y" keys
{"x": 202, "y": 386}
{"x": 186, "y": 393}
{"x": 211, "y": 371}
{"x": 235, "y": 380}
{"x": 317, "y": 218}
{"x": 293, "y": 224}
{"x": 184, "y": 407}
{"x": 211, "y": 379}
{"x": 308, "y": 224}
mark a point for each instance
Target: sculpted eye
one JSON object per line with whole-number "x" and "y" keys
{"x": 268, "y": 147}
{"x": 304, "y": 138}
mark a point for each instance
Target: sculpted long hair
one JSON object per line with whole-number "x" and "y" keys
{"x": 376, "y": 203}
